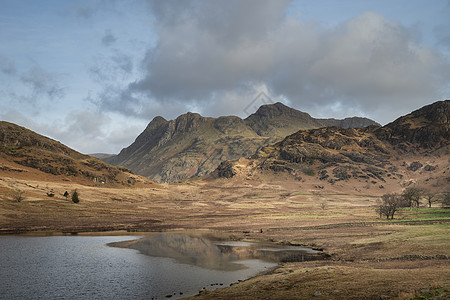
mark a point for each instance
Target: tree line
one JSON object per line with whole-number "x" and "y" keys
{"x": 390, "y": 203}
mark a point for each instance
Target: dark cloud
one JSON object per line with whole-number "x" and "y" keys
{"x": 41, "y": 84}
{"x": 35, "y": 84}
{"x": 213, "y": 53}
{"x": 85, "y": 12}
{"x": 110, "y": 69}
{"x": 7, "y": 66}
{"x": 206, "y": 46}
{"x": 108, "y": 39}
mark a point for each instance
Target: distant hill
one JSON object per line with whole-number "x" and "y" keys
{"x": 31, "y": 155}
{"x": 192, "y": 145}
{"x": 412, "y": 149}
{"x": 101, "y": 155}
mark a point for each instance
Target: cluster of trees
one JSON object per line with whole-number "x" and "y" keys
{"x": 391, "y": 203}
{"x": 75, "y": 196}
{"x": 18, "y": 195}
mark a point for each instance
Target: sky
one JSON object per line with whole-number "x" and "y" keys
{"x": 93, "y": 73}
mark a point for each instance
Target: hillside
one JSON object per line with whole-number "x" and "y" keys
{"x": 26, "y": 154}
{"x": 414, "y": 149}
{"x": 193, "y": 145}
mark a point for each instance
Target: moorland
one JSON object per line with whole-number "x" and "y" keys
{"x": 319, "y": 187}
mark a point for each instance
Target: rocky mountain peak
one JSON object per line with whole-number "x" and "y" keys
{"x": 187, "y": 122}
{"x": 270, "y": 111}
{"x": 156, "y": 122}
{"x": 427, "y": 127}
{"x": 438, "y": 113}
{"x": 195, "y": 145}
{"x": 370, "y": 154}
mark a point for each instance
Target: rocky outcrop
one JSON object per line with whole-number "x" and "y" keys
{"x": 425, "y": 128}
{"x": 192, "y": 145}
{"x": 335, "y": 154}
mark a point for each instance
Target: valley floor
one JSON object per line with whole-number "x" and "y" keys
{"x": 370, "y": 258}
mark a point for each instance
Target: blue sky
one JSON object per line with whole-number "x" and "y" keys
{"x": 93, "y": 74}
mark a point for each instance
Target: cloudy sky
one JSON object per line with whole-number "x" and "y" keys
{"x": 93, "y": 73}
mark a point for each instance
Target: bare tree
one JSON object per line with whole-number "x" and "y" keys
{"x": 412, "y": 196}
{"x": 390, "y": 204}
{"x": 17, "y": 195}
{"x": 446, "y": 200}
{"x": 431, "y": 197}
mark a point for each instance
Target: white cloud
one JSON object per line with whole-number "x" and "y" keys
{"x": 213, "y": 54}
{"x": 87, "y": 131}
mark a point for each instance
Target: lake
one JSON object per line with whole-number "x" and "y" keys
{"x": 85, "y": 267}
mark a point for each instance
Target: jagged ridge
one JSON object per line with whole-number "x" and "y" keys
{"x": 194, "y": 145}
{"x": 333, "y": 154}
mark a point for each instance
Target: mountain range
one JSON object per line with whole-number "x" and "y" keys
{"x": 413, "y": 149}
{"x": 193, "y": 145}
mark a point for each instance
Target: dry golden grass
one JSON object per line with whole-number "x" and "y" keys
{"x": 340, "y": 280}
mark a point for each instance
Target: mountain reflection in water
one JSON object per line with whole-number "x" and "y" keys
{"x": 205, "y": 253}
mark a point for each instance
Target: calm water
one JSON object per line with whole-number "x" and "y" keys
{"x": 81, "y": 267}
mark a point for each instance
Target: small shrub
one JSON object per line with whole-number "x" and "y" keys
{"x": 75, "y": 197}
{"x": 71, "y": 170}
{"x": 307, "y": 171}
{"x": 17, "y": 195}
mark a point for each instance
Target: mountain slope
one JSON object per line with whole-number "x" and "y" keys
{"x": 189, "y": 145}
{"x": 194, "y": 145}
{"x": 29, "y": 154}
{"x": 425, "y": 128}
{"x": 413, "y": 147}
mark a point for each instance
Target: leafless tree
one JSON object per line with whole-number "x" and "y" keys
{"x": 446, "y": 200}
{"x": 412, "y": 196}
{"x": 390, "y": 204}
{"x": 431, "y": 197}
{"x": 17, "y": 195}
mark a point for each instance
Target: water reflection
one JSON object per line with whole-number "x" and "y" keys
{"x": 197, "y": 251}
{"x": 205, "y": 253}
{"x": 83, "y": 267}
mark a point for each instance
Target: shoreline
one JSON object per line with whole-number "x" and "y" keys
{"x": 360, "y": 252}
{"x": 127, "y": 230}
